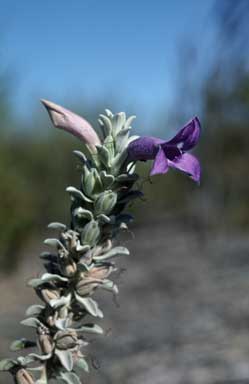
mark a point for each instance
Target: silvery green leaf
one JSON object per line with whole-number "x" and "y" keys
{"x": 105, "y": 202}
{"x": 65, "y": 358}
{"x": 89, "y": 182}
{"x": 31, "y": 322}
{"x": 85, "y": 172}
{"x": 62, "y": 323}
{"x": 90, "y": 233}
{"x": 109, "y": 144}
{"x": 107, "y": 124}
{"x": 63, "y": 300}
{"x": 109, "y": 285}
{"x": 7, "y": 364}
{"x": 121, "y": 139}
{"x": 90, "y": 328}
{"x": 82, "y": 248}
{"x": 23, "y": 361}
{"x": 101, "y": 124}
{"x": 56, "y": 225}
{"x": 50, "y": 277}
{"x": 35, "y": 282}
{"x": 104, "y": 155}
{"x": 108, "y": 112}
{"x": 129, "y": 121}
{"x": 90, "y": 305}
{"x": 23, "y": 343}
{"x": 98, "y": 182}
{"x": 77, "y": 194}
{"x": 83, "y": 213}
{"x": 34, "y": 310}
{"x": 132, "y": 138}
{"x": 45, "y": 254}
{"x": 80, "y": 156}
{"x": 82, "y": 364}
{"x": 119, "y": 160}
{"x": 114, "y": 252}
{"x": 46, "y": 277}
{"x": 69, "y": 378}
{"x": 103, "y": 219}
{"x": 54, "y": 243}
{"x": 107, "y": 179}
{"x": 118, "y": 122}
{"x": 132, "y": 195}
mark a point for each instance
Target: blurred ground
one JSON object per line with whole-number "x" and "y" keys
{"x": 183, "y": 315}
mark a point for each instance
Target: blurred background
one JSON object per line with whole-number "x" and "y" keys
{"x": 183, "y": 313}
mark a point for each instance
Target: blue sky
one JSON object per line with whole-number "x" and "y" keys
{"x": 92, "y": 49}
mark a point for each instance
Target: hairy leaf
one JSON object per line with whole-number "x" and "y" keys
{"x": 34, "y": 310}
{"x": 31, "y": 322}
{"x": 90, "y": 305}
{"x": 114, "y": 252}
{"x": 90, "y": 328}
{"x": 46, "y": 277}
{"x": 82, "y": 364}
{"x": 77, "y": 194}
{"x": 69, "y": 378}
{"x": 65, "y": 358}
{"x": 7, "y": 364}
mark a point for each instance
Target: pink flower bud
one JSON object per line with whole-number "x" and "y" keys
{"x": 64, "y": 119}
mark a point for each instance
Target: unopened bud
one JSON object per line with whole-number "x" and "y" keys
{"x": 50, "y": 294}
{"x": 71, "y": 122}
{"x": 66, "y": 340}
{"x": 46, "y": 344}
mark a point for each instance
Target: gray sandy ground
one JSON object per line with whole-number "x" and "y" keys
{"x": 183, "y": 314}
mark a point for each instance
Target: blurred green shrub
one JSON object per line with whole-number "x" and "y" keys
{"x": 34, "y": 174}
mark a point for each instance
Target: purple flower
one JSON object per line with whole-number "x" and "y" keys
{"x": 64, "y": 119}
{"x": 172, "y": 153}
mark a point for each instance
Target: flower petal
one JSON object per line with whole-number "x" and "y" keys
{"x": 189, "y": 164}
{"x": 171, "y": 151}
{"x": 160, "y": 164}
{"x": 71, "y": 122}
{"x": 188, "y": 136}
{"x": 144, "y": 148}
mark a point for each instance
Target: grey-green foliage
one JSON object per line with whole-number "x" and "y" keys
{"x": 81, "y": 260}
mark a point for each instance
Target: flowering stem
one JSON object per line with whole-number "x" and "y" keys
{"x": 80, "y": 262}
{"x": 82, "y": 255}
